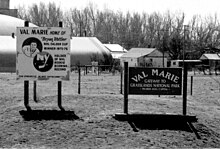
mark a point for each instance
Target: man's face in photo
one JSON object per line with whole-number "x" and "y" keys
{"x": 33, "y": 46}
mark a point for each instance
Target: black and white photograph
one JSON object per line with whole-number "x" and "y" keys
{"x": 109, "y": 74}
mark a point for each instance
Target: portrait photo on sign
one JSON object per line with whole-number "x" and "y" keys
{"x": 31, "y": 46}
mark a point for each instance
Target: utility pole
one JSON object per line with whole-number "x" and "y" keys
{"x": 163, "y": 47}
{"x": 186, "y": 27}
{"x": 163, "y": 44}
{"x": 185, "y": 30}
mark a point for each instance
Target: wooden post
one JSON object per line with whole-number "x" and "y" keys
{"x": 60, "y": 84}
{"x": 35, "y": 91}
{"x": 185, "y": 89}
{"x": 26, "y": 95}
{"x": 60, "y": 24}
{"x": 26, "y": 83}
{"x": 26, "y": 23}
{"x": 126, "y": 87}
{"x": 60, "y": 95}
{"x": 79, "y": 81}
{"x": 121, "y": 79}
{"x": 191, "y": 85}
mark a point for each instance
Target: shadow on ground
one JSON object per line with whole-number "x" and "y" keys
{"x": 158, "y": 121}
{"x": 48, "y": 115}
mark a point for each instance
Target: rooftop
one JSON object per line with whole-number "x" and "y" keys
{"x": 138, "y": 52}
{"x": 210, "y": 57}
{"x": 115, "y": 48}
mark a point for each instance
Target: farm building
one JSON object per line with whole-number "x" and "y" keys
{"x": 7, "y": 54}
{"x": 144, "y": 57}
{"x": 9, "y": 25}
{"x": 8, "y": 42}
{"x": 212, "y": 60}
{"x": 116, "y": 50}
{"x": 84, "y": 50}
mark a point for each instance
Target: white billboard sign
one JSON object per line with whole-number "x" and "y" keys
{"x": 43, "y": 53}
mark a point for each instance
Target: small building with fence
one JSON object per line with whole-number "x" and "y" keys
{"x": 211, "y": 60}
{"x": 144, "y": 57}
{"x": 116, "y": 50}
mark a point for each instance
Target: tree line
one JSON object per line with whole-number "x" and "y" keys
{"x": 166, "y": 31}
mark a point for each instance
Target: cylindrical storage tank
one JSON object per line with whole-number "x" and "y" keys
{"x": 84, "y": 50}
{"x": 9, "y": 25}
{"x": 7, "y": 54}
{"x": 7, "y": 42}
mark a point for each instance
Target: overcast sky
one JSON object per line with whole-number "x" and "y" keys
{"x": 190, "y": 7}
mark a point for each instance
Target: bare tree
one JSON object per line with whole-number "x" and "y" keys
{"x": 23, "y": 14}
{"x": 42, "y": 15}
{"x": 55, "y": 15}
{"x": 38, "y": 14}
{"x": 79, "y": 21}
{"x": 163, "y": 31}
{"x": 92, "y": 12}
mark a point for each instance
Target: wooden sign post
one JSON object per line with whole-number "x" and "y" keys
{"x": 35, "y": 91}
{"x": 121, "y": 85}
{"x": 126, "y": 87}
{"x": 26, "y": 95}
{"x": 185, "y": 89}
{"x": 26, "y": 84}
{"x": 79, "y": 79}
{"x": 59, "y": 96}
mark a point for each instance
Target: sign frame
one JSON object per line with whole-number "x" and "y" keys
{"x": 43, "y": 53}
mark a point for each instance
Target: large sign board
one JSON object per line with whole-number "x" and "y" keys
{"x": 43, "y": 53}
{"x": 155, "y": 81}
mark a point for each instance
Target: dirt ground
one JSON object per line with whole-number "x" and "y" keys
{"x": 89, "y": 120}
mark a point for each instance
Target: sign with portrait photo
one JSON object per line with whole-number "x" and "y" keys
{"x": 43, "y": 53}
